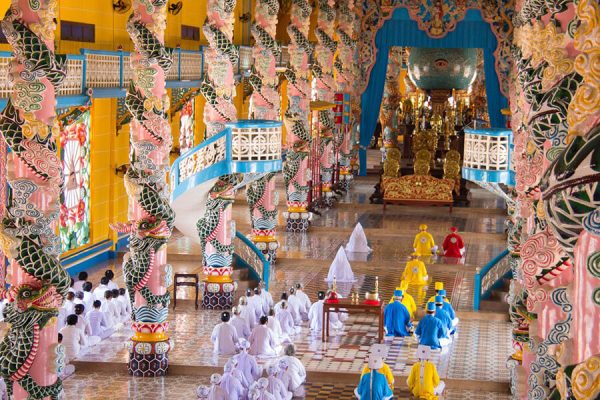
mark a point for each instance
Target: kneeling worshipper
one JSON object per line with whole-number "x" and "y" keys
{"x": 276, "y": 386}
{"x": 98, "y": 321}
{"x": 265, "y": 295}
{"x": 240, "y": 324}
{"x": 275, "y": 327}
{"x": 68, "y": 370}
{"x": 264, "y": 303}
{"x": 315, "y": 317}
{"x": 292, "y": 371}
{"x": 374, "y": 385}
{"x": 73, "y": 338}
{"x": 423, "y": 380}
{"x": 415, "y": 272}
{"x": 246, "y": 312}
{"x": 408, "y": 300}
{"x": 381, "y": 350}
{"x": 214, "y": 392}
{"x": 231, "y": 381}
{"x": 453, "y": 244}
{"x": 296, "y": 306}
{"x": 85, "y": 326}
{"x": 224, "y": 336}
{"x": 286, "y": 321}
{"x": 247, "y": 364}
{"x": 443, "y": 316}
{"x": 396, "y": 317}
{"x": 262, "y": 343}
{"x": 448, "y": 308}
{"x": 424, "y": 244}
{"x": 431, "y": 330}
{"x": 259, "y": 390}
{"x": 255, "y": 303}
{"x": 304, "y": 299}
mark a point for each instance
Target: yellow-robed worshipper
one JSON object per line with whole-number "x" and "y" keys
{"x": 380, "y": 351}
{"x": 407, "y": 300}
{"x": 424, "y": 244}
{"x": 423, "y": 380}
{"x": 415, "y": 272}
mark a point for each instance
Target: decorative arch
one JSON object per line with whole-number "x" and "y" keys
{"x": 468, "y": 29}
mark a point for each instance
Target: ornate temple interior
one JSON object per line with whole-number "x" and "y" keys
{"x": 299, "y": 199}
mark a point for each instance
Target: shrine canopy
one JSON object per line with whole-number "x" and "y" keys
{"x": 401, "y": 30}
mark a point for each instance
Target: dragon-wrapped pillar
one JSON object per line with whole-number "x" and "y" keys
{"x": 145, "y": 270}
{"x": 31, "y": 361}
{"x": 216, "y": 229}
{"x": 295, "y": 171}
{"x": 557, "y": 141}
{"x": 344, "y": 65}
{"x": 322, "y": 70}
{"x": 261, "y": 195}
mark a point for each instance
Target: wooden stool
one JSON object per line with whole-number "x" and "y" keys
{"x": 185, "y": 283}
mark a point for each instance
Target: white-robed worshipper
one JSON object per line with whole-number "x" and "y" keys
{"x": 98, "y": 321}
{"x": 304, "y": 299}
{"x": 85, "y": 326}
{"x": 102, "y": 287}
{"x": 73, "y": 338}
{"x": 358, "y": 241}
{"x": 247, "y": 363}
{"x": 68, "y": 369}
{"x": 292, "y": 371}
{"x": 110, "y": 311}
{"x": 202, "y": 392}
{"x": 265, "y": 295}
{"x": 276, "y": 386}
{"x": 246, "y": 312}
{"x": 110, "y": 275}
{"x": 275, "y": 327}
{"x": 71, "y": 289}
{"x": 66, "y": 309}
{"x": 263, "y": 301}
{"x": 259, "y": 391}
{"x": 78, "y": 298}
{"x": 315, "y": 316}
{"x": 262, "y": 342}
{"x": 296, "y": 306}
{"x": 224, "y": 336}
{"x": 82, "y": 278}
{"x": 285, "y": 299}
{"x": 423, "y": 380}
{"x": 231, "y": 381}
{"x": 286, "y": 321}
{"x": 123, "y": 300}
{"x": 340, "y": 268}
{"x": 88, "y": 297}
{"x": 254, "y": 303}
{"x": 240, "y": 324}
{"x": 373, "y": 385}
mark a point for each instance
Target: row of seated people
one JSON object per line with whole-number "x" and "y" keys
{"x": 243, "y": 377}
{"x": 268, "y": 326}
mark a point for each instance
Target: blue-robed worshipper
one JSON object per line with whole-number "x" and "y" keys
{"x": 430, "y": 329}
{"x": 396, "y": 316}
{"x": 442, "y": 315}
{"x": 373, "y": 385}
{"x": 448, "y": 308}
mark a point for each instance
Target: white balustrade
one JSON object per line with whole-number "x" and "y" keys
{"x": 103, "y": 70}
{"x": 487, "y": 152}
{"x": 190, "y": 66}
{"x": 201, "y": 159}
{"x": 5, "y": 87}
{"x": 71, "y": 86}
{"x": 256, "y": 144}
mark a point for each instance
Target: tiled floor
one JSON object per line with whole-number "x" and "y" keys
{"x": 477, "y": 354}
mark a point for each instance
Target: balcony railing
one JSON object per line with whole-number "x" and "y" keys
{"x": 107, "y": 73}
{"x": 487, "y": 156}
{"x": 488, "y": 277}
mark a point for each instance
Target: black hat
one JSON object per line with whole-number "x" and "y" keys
{"x": 225, "y": 316}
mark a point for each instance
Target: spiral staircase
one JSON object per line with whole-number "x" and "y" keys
{"x": 249, "y": 147}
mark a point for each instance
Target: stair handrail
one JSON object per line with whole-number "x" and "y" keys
{"x": 489, "y": 276}
{"x": 248, "y": 255}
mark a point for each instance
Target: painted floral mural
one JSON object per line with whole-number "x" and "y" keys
{"x": 74, "y": 220}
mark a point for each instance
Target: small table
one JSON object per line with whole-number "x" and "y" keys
{"x": 350, "y": 308}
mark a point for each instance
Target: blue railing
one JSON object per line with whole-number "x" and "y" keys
{"x": 249, "y": 256}
{"x": 490, "y": 277}
{"x": 247, "y": 146}
{"x": 106, "y": 74}
{"x": 487, "y": 156}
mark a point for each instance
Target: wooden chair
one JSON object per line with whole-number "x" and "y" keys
{"x": 185, "y": 282}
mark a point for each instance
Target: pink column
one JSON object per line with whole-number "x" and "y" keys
{"x": 38, "y": 281}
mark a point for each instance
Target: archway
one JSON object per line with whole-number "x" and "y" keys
{"x": 401, "y": 30}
